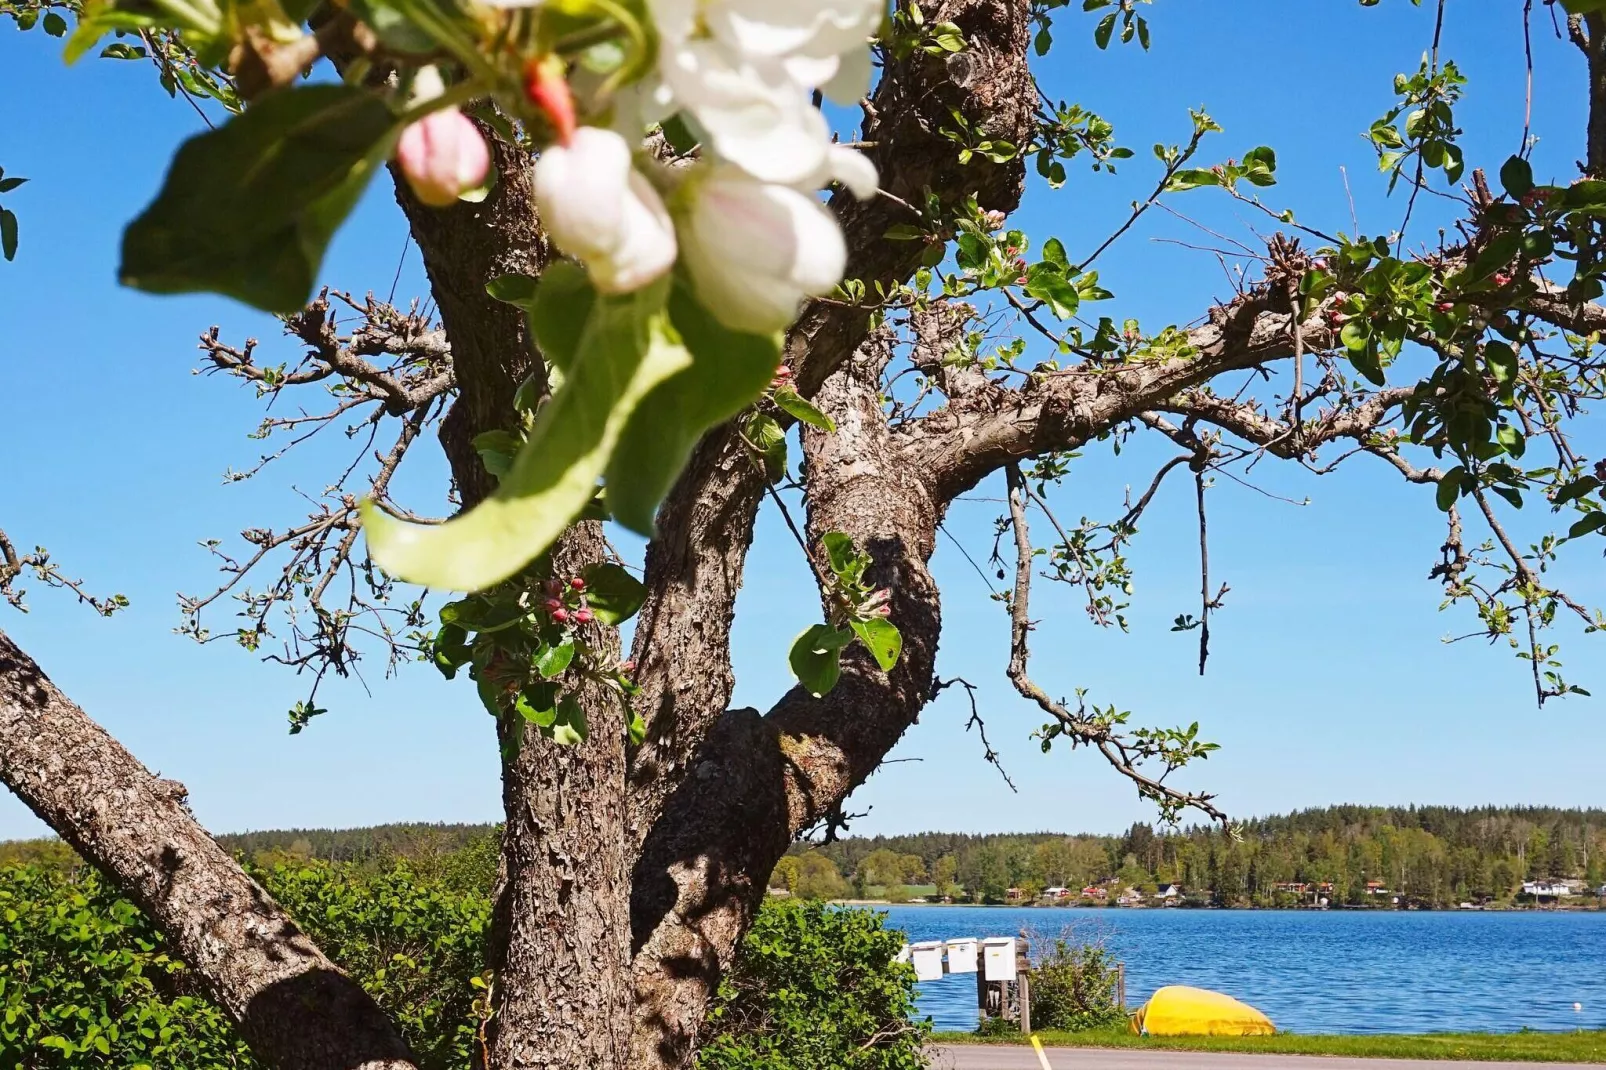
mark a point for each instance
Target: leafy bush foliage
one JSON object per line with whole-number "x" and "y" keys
{"x": 816, "y": 988}
{"x": 417, "y": 946}
{"x": 1074, "y": 987}
{"x": 85, "y": 982}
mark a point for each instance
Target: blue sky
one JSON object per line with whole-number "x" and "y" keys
{"x": 1328, "y": 681}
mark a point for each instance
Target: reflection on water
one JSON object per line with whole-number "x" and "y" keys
{"x": 1321, "y": 971}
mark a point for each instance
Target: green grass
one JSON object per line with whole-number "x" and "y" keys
{"x": 1579, "y": 1047}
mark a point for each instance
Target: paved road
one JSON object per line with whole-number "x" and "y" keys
{"x": 1013, "y": 1057}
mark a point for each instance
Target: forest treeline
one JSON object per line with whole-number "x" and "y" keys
{"x": 1427, "y": 855}
{"x": 1419, "y": 855}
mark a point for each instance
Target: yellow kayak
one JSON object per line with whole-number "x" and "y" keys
{"x": 1180, "y": 1011}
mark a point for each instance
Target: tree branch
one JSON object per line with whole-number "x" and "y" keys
{"x": 292, "y": 1005}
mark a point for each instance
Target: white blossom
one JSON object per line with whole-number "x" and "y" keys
{"x": 744, "y": 70}
{"x": 756, "y": 250}
{"x": 599, "y": 209}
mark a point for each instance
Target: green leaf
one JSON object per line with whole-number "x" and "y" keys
{"x": 816, "y": 658}
{"x": 623, "y": 354}
{"x": 1355, "y": 334}
{"x": 1106, "y": 26}
{"x": 1578, "y": 488}
{"x": 450, "y": 650}
{"x": 8, "y": 233}
{"x": 1502, "y": 362}
{"x": 570, "y": 728}
{"x": 9, "y": 184}
{"x": 497, "y": 450}
{"x": 767, "y": 435}
{"x": 537, "y": 704}
{"x": 1511, "y": 440}
{"x": 53, "y": 24}
{"x": 1192, "y": 178}
{"x": 1450, "y": 488}
{"x": 557, "y": 307}
{"x": 1260, "y": 166}
{"x": 480, "y": 615}
{"x": 720, "y": 373}
{"x": 840, "y": 552}
{"x": 1054, "y": 253}
{"x": 248, "y": 209}
{"x": 1517, "y": 176}
{"x": 1592, "y": 522}
{"x": 791, "y": 401}
{"x": 1046, "y": 281}
{"x": 882, "y": 638}
{"x": 1496, "y": 255}
{"x": 613, "y": 594}
{"x": 552, "y": 661}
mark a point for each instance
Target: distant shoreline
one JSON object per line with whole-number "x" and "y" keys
{"x": 1593, "y": 908}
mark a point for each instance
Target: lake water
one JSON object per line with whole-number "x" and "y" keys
{"x": 1320, "y": 971}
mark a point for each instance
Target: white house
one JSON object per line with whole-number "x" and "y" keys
{"x": 1546, "y": 889}
{"x": 1169, "y": 891}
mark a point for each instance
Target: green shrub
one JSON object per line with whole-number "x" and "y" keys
{"x": 417, "y": 946}
{"x": 1075, "y": 987}
{"x": 86, "y": 982}
{"x": 816, "y": 988}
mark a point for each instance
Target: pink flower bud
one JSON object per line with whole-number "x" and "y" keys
{"x": 578, "y": 584}
{"x": 553, "y": 588}
{"x": 561, "y": 616}
{"x": 1502, "y": 279}
{"x": 548, "y": 89}
{"x": 1320, "y": 263}
{"x": 883, "y": 611}
{"x": 1446, "y": 306}
{"x": 583, "y": 616}
{"x": 627, "y": 667}
{"x": 442, "y": 157}
{"x": 553, "y": 605}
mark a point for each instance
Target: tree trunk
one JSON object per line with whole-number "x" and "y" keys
{"x": 560, "y": 942}
{"x": 292, "y": 1005}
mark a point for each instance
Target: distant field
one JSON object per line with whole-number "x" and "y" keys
{"x": 1579, "y": 1047}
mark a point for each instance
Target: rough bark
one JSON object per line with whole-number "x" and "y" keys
{"x": 560, "y": 941}
{"x": 561, "y": 929}
{"x": 294, "y": 1007}
{"x": 1595, "y": 51}
{"x": 464, "y": 247}
{"x": 761, "y": 779}
{"x": 717, "y": 795}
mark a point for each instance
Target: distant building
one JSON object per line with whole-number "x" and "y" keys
{"x": 1057, "y": 893}
{"x": 1169, "y": 891}
{"x": 1376, "y": 888}
{"x": 1096, "y": 891}
{"x": 1547, "y": 889}
{"x": 1129, "y": 898}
